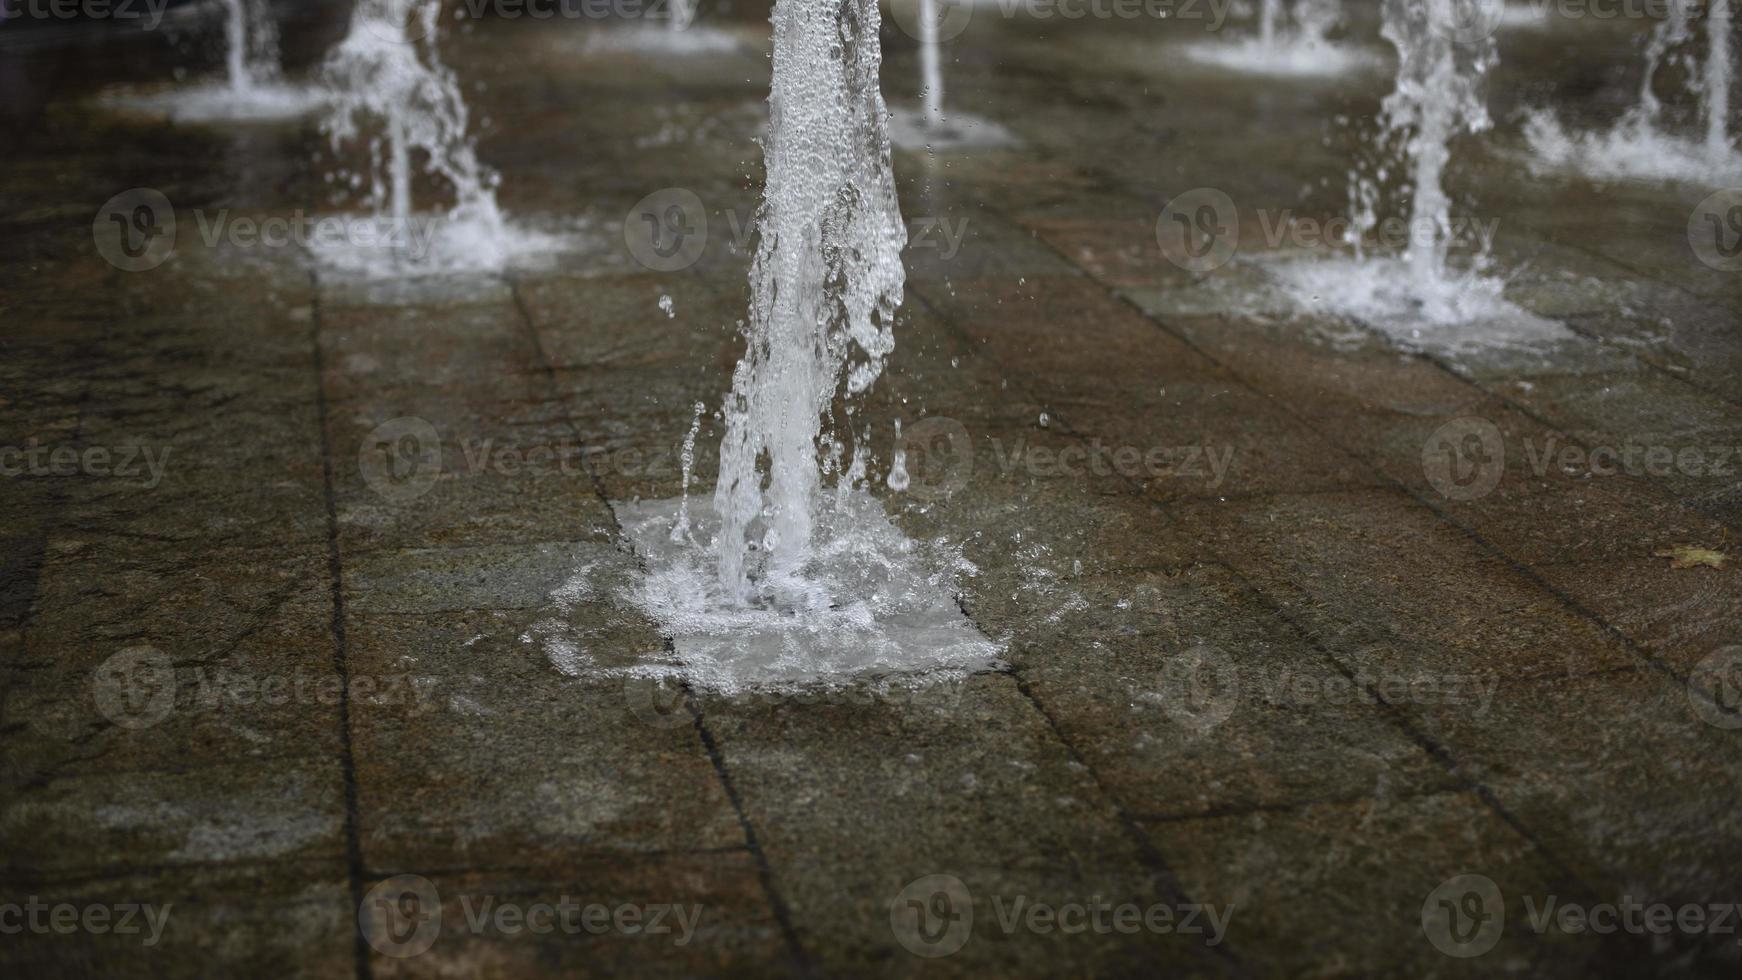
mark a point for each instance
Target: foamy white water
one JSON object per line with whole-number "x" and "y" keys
{"x": 1638, "y": 147}
{"x": 392, "y": 93}
{"x": 1296, "y": 45}
{"x": 825, "y": 283}
{"x": 1417, "y": 297}
{"x": 779, "y": 580}
{"x": 894, "y": 611}
{"x": 253, "y": 90}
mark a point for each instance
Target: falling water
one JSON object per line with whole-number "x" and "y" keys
{"x": 1665, "y": 36}
{"x": 682, "y": 12}
{"x": 1638, "y": 146}
{"x": 1716, "y": 96}
{"x": 778, "y": 583}
{"x": 1267, "y": 18}
{"x": 931, "y": 78}
{"x": 1302, "y": 47}
{"x": 388, "y": 78}
{"x": 1438, "y": 96}
{"x": 253, "y": 89}
{"x": 251, "y": 45}
{"x": 825, "y": 283}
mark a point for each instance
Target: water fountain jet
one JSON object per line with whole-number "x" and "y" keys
{"x": 1418, "y": 297}
{"x": 797, "y": 582}
{"x": 1303, "y": 48}
{"x": 254, "y": 89}
{"x": 1638, "y": 147}
{"x": 388, "y": 80}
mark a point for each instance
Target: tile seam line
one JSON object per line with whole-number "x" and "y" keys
{"x": 341, "y": 645}
{"x": 1435, "y": 751}
{"x": 1148, "y": 851}
{"x": 1560, "y": 596}
{"x": 777, "y": 903}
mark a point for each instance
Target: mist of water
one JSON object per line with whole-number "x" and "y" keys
{"x": 251, "y": 39}
{"x": 1641, "y": 145}
{"x": 1438, "y": 95}
{"x": 392, "y": 91}
{"x": 825, "y": 283}
{"x": 931, "y": 76}
{"x": 1715, "y": 97}
{"x": 1291, "y": 41}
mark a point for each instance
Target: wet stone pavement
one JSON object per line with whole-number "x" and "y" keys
{"x": 1323, "y": 655}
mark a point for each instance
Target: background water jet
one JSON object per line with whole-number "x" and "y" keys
{"x": 388, "y": 80}
{"x": 796, "y": 580}
{"x": 1417, "y": 296}
{"x": 1301, "y": 47}
{"x": 1638, "y": 146}
{"x": 254, "y": 88}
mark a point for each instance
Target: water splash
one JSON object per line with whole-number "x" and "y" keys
{"x": 931, "y": 77}
{"x": 794, "y": 585}
{"x": 825, "y": 283}
{"x": 1293, "y": 46}
{"x": 1415, "y": 295}
{"x": 928, "y": 127}
{"x": 391, "y": 88}
{"x": 253, "y": 44}
{"x": 254, "y": 89}
{"x": 1638, "y": 147}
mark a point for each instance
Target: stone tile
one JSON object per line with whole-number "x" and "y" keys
{"x": 1392, "y": 589}
{"x": 1629, "y": 787}
{"x": 716, "y": 921}
{"x": 1679, "y": 615}
{"x": 961, "y": 780}
{"x": 289, "y": 918}
{"x": 1192, "y": 698}
{"x": 1017, "y": 325}
{"x": 1335, "y": 888}
{"x": 219, "y": 812}
{"x": 577, "y": 766}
